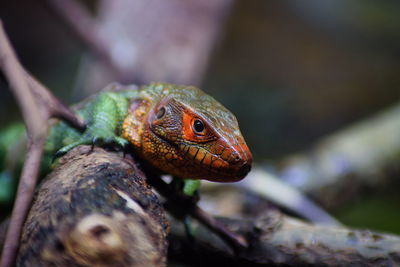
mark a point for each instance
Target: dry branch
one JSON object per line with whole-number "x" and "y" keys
{"x": 276, "y": 239}
{"x": 37, "y": 107}
{"x": 37, "y": 133}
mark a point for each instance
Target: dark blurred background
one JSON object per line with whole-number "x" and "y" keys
{"x": 291, "y": 71}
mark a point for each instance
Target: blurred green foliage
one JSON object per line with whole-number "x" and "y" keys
{"x": 379, "y": 211}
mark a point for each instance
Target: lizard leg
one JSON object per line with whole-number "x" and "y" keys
{"x": 67, "y": 148}
{"x": 104, "y": 116}
{"x": 190, "y": 187}
{"x": 187, "y": 223}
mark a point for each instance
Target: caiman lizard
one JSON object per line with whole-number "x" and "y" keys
{"x": 179, "y": 130}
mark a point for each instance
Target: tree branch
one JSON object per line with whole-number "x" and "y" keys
{"x": 53, "y": 107}
{"x": 276, "y": 239}
{"x": 27, "y": 92}
{"x": 94, "y": 210}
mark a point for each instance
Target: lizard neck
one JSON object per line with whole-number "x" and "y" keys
{"x": 134, "y": 124}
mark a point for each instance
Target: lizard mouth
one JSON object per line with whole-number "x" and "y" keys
{"x": 239, "y": 160}
{"x": 244, "y": 170}
{"x": 230, "y": 165}
{"x": 230, "y": 174}
{"x": 194, "y": 162}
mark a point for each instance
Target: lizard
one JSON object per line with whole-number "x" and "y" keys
{"x": 179, "y": 130}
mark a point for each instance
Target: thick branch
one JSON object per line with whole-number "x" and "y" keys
{"x": 276, "y": 239}
{"x": 94, "y": 210}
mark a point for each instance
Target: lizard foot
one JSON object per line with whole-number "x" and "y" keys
{"x": 95, "y": 137}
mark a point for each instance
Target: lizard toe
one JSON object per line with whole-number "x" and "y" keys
{"x": 121, "y": 142}
{"x": 64, "y": 150}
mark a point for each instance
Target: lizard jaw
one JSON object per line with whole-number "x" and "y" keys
{"x": 226, "y": 164}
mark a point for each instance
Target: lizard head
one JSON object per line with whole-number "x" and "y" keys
{"x": 187, "y": 133}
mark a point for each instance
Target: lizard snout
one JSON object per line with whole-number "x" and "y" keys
{"x": 241, "y": 160}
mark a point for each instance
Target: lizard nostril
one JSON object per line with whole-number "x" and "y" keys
{"x": 244, "y": 170}
{"x": 235, "y": 157}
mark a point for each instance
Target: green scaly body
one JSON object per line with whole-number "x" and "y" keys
{"x": 103, "y": 114}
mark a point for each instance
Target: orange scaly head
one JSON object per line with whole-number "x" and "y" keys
{"x": 187, "y": 133}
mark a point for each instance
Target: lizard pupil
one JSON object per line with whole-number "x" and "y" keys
{"x": 160, "y": 113}
{"x": 198, "y": 126}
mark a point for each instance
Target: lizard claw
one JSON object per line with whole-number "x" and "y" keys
{"x": 110, "y": 141}
{"x": 89, "y": 139}
{"x": 121, "y": 141}
{"x": 62, "y": 151}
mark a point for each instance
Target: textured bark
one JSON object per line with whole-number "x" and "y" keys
{"x": 276, "y": 239}
{"x": 94, "y": 209}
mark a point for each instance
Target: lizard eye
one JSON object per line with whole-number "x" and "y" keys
{"x": 160, "y": 113}
{"x": 198, "y": 126}
{"x": 196, "y": 129}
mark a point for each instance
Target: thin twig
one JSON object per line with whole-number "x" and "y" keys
{"x": 37, "y": 105}
{"x": 37, "y": 132}
{"x": 25, "y": 192}
{"x": 236, "y": 241}
{"x": 14, "y": 74}
{"x": 81, "y": 23}
{"x": 54, "y": 107}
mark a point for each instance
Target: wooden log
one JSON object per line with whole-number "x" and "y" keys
{"x": 94, "y": 209}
